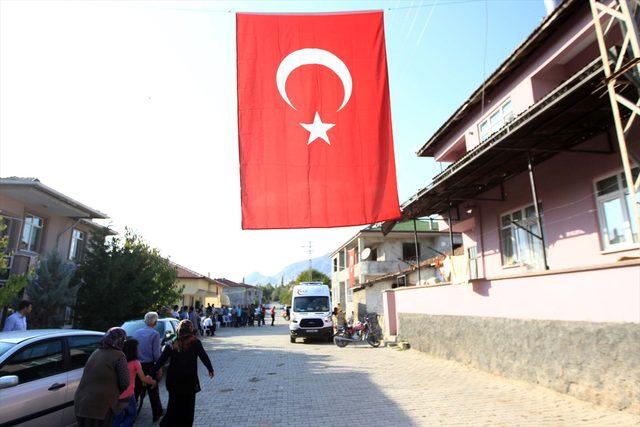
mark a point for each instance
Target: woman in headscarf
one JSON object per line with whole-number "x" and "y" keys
{"x": 105, "y": 376}
{"x": 182, "y": 375}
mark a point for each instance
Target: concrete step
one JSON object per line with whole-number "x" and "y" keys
{"x": 390, "y": 341}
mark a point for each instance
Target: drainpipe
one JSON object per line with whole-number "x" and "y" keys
{"x": 450, "y": 230}
{"x": 64, "y": 231}
{"x": 534, "y": 193}
{"x": 415, "y": 242}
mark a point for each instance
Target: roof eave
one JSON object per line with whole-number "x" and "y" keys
{"x": 519, "y": 54}
{"x": 91, "y": 213}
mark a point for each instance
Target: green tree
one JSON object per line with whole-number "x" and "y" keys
{"x": 14, "y": 284}
{"x": 315, "y": 276}
{"x": 52, "y": 289}
{"x": 285, "y": 294}
{"x": 268, "y": 292}
{"x": 122, "y": 279}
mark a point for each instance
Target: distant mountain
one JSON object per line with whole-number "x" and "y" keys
{"x": 290, "y": 272}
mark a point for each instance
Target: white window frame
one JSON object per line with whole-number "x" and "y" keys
{"x": 73, "y": 247}
{"x": 31, "y": 226}
{"x": 473, "y": 257}
{"x": 501, "y": 119}
{"x": 516, "y": 233}
{"x": 621, "y": 194}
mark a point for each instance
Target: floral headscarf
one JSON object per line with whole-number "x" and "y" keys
{"x": 114, "y": 338}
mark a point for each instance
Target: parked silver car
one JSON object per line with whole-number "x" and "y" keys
{"x": 39, "y": 373}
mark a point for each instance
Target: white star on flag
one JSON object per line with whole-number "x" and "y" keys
{"x": 317, "y": 129}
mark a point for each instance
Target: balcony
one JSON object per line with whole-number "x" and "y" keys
{"x": 380, "y": 268}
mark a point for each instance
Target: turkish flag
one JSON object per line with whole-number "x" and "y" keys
{"x": 314, "y": 121}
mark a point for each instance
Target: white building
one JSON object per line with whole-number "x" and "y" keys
{"x": 388, "y": 254}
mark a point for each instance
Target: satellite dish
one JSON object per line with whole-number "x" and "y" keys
{"x": 366, "y": 252}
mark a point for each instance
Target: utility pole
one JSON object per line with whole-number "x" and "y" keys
{"x": 621, "y": 68}
{"x": 309, "y": 248}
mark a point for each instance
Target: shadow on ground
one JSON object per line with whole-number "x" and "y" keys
{"x": 259, "y": 383}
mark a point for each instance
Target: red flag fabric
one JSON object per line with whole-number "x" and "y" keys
{"x": 314, "y": 121}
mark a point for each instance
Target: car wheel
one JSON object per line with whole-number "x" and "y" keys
{"x": 292, "y": 340}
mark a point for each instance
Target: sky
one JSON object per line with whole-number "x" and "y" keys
{"x": 130, "y": 108}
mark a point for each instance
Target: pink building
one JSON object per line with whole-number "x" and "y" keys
{"x": 535, "y": 185}
{"x": 40, "y": 220}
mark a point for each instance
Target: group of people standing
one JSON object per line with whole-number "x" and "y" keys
{"x": 206, "y": 319}
{"x": 106, "y": 395}
{"x": 240, "y": 316}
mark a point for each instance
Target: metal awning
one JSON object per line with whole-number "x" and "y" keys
{"x": 570, "y": 115}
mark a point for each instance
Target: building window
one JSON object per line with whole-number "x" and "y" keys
{"x": 519, "y": 235}
{"x": 77, "y": 245}
{"x": 341, "y": 260}
{"x": 409, "y": 251}
{"x": 492, "y": 124}
{"x": 31, "y": 233}
{"x": 374, "y": 254}
{"x": 335, "y": 264}
{"x": 614, "y": 211}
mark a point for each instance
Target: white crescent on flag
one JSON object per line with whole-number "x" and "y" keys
{"x": 310, "y": 56}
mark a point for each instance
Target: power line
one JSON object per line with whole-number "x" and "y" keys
{"x": 434, "y": 3}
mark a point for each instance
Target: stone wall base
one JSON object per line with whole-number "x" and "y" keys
{"x": 596, "y": 362}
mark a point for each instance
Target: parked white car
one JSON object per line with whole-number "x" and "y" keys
{"x": 39, "y": 372}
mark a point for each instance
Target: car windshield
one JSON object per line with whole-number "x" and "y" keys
{"x": 4, "y": 347}
{"x": 309, "y": 304}
{"x": 133, "y": 325}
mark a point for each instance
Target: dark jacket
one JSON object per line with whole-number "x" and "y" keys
{"x": 182, "y": 374}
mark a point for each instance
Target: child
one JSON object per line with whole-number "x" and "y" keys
{"x": 128, "y": 398}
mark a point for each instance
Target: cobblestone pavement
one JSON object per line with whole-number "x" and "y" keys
{"x": 263, "y": 380}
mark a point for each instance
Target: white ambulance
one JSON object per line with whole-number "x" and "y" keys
{"x": 311, "y": 312}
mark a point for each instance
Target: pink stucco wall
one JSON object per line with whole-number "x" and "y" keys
{"x": 565, "y": 185}
{"x": 606, "y": 295}
{"x": 563, "y": 54}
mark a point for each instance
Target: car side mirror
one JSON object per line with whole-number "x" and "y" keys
{"x": 9, "y": 381}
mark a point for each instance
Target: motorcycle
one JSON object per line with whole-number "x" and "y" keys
{"x": 356, "y": 333}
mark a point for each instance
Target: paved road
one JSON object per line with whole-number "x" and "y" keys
{"x": 263, "y": 380}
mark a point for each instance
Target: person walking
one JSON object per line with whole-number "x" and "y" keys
{"x": 149, "y": 352}
{"x": 340, "y": 316}
{"x": 273, "y": 314}
{"x": 127, "y": 416}
{"x": 263, "y": 314}
{"x": 174, "y": 312}
{"x": 182, "y": 375}
{"x": 193, "y": 317}
{"x": 234, "y": 317}
{"x": 18, "y": 320}
{"x": 105, "y": 376}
